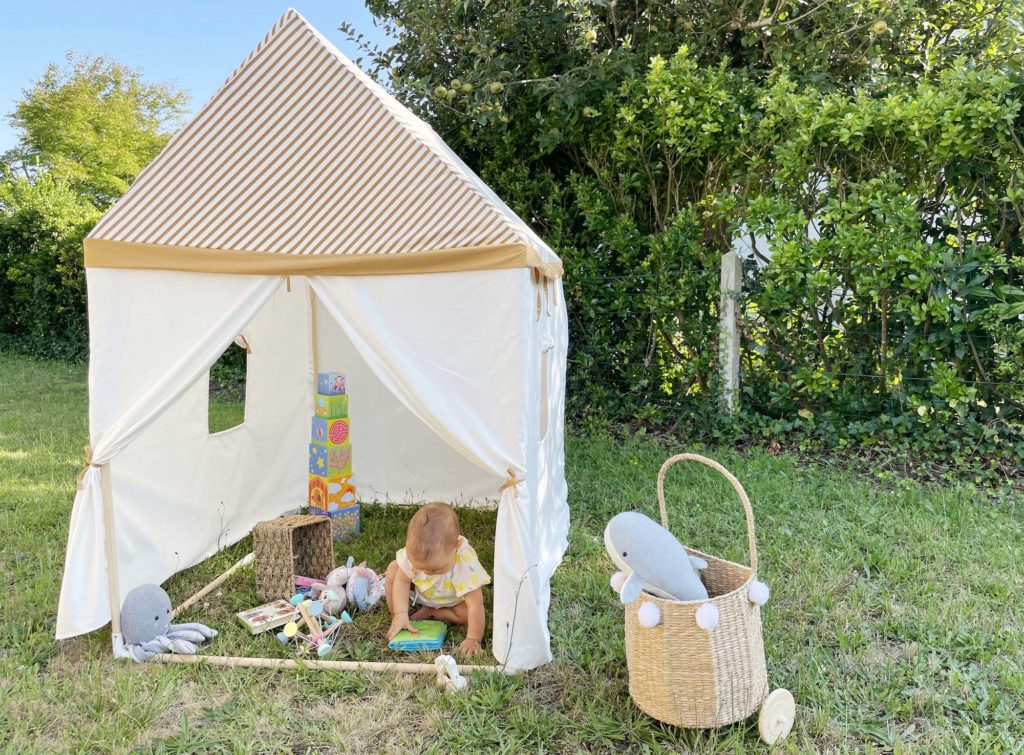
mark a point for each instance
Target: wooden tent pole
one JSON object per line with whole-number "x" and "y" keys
{"x": 313, "y": 332}
{"x": 110, "y": 548}
{"x": 247, "y": 559}
{"x": 291, "y": 663}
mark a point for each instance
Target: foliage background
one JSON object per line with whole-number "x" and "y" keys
{"x": 868, "y": 156}
{"x": 88, "y": 126}
{"x": 874, "y": 148}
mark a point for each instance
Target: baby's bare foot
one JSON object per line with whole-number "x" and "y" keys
{"x": 424, "y": 612}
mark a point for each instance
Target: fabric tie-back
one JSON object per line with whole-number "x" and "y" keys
{"x": 512, "y": 483}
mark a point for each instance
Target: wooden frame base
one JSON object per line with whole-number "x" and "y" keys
{"x": 291, "y": 663}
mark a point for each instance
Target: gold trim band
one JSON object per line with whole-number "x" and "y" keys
{"x": 136, "y": 256}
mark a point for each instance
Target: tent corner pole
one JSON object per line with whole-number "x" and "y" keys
{"x": 110, "y": 549}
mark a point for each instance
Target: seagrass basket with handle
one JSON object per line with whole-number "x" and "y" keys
{"x": 687, "y": 676}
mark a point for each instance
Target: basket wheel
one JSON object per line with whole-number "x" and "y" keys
{"x": 775, "y": 720}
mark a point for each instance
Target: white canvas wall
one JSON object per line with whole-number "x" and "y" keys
{"x": 445, "y": 376}
{"x": 397, "y": 458}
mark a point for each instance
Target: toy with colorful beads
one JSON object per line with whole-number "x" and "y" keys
{"x": 319, "y": 636}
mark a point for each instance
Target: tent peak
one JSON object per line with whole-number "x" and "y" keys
{"x": 302, "y": 154}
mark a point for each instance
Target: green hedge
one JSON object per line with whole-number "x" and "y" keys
{"x": 42, "y": 283}
{"x": 642, "y": 142}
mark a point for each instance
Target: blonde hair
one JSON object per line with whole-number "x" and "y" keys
{"x": 433, "y": 531}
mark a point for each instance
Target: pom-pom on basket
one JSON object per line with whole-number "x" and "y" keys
{"x": 687, "y": 676}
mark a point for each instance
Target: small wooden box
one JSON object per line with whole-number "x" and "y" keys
{"x": 291, "y": 546}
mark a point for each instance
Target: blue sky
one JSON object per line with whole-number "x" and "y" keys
{"x": 194, "y": 43}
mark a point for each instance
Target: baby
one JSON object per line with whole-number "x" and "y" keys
{"x": 439, "y": 573}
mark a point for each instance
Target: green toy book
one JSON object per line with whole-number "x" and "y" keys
{"x": 429, "y": 636}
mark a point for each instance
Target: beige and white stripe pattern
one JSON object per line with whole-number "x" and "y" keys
{"x": 300, "y": 153}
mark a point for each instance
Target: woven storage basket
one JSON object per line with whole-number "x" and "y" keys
{"x": 289, "y": 546}
{"x": 687, "y": 676}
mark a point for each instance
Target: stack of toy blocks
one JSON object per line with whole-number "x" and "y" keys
{"x": 331, "y": 493}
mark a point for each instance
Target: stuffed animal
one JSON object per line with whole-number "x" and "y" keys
{"x": 364, "y": 588}
{"x": 332, "y": 590}
{"x": 147, "y": 629}
{"x": 651, "y": 558}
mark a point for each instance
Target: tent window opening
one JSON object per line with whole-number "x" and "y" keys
{"x": 227, "y": 389}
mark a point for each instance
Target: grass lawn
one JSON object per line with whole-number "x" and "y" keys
{"x": 896, "y": 617}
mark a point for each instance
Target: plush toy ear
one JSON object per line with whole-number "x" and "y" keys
{"x": 698, "y": 563}
{"x": 617, "y": 581}
{"x": 630, "y": 589}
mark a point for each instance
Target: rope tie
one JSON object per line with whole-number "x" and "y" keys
{"x": 512, "y": 482}
{"x": 80, "y": 480}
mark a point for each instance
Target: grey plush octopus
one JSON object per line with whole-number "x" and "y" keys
{"x": 147, "y": 629}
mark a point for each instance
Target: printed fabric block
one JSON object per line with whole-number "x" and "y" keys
{"x": 344, "y": 522}
{"x": 330, "y": 383}
{"x": 330, "y": 432}
{"x": 332, "y": 407}
{"x": 330, "y": 460}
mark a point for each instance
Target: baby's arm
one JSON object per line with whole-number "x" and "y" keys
{"x": 399, "y": 604}
{"x": 474, "y": 623}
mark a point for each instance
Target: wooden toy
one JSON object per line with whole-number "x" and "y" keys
{"x": 448, "y": 677}
{"x": 330, "y": 383}
{"x": 334, "y": 407}
{"x": 330, "y": 431}
{"x": 429, "y": 636}
{"x": 331, "y": 493}
{"x": 320, "y": 627}
{"x": 268, "y": 616}
{"x": 330, "y": 461}
{"x": 344, "y": 521}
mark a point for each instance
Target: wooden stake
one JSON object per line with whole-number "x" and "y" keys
{"x": 729, "y": 339}
{"x": 289, "y": 663}
{"x": 244, "y": 561}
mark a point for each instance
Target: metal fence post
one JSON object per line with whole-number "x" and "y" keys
{"x": 729, "y": 341}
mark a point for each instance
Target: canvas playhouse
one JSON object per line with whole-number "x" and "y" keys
{"x": 307, "y": 213}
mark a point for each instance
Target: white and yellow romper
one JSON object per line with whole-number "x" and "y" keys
{"x": 451, "y": 587}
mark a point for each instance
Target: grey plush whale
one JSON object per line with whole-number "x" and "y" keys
{"x": 652, "y": 558}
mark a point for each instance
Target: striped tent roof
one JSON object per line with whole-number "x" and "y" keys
{"x": 300, "y": 163}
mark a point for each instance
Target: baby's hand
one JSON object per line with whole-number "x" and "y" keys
{"x": 398, "y": 623}
{"x": 469, "y": 647}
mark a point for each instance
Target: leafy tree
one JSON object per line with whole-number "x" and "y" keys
{"x": 876, "y": 146}
{"x": 95, "y": 123}
{"x": 87, "y": 129}
{"x": 42, "y": 286}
